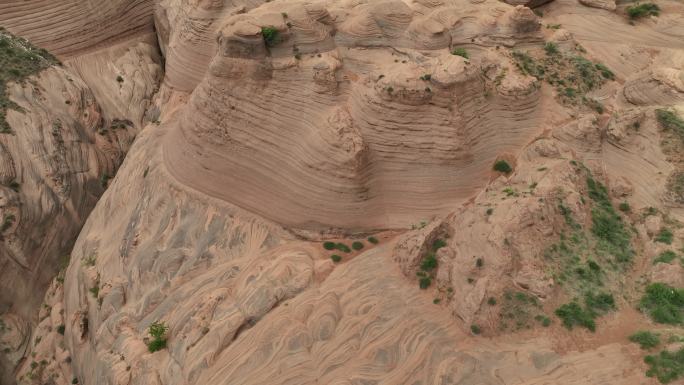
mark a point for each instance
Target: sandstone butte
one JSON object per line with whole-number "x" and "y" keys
{"x": 341, "y": 192}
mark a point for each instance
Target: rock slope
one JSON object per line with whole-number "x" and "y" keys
{"x": 357, "y": 192}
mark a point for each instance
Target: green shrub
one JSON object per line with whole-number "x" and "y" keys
{"x": 645, "y": 339}
{"x": 664, "y": 236}
{"x": 424, "y": 282}
{"x": 502, "y": 166}
{"x": 475, "y": 329}
{"x": 119, "y": 79}
{"x": 527, "y": 65}
{"x": 373, "y": 240}
{"x": 669, "y": 120}
{"x": 599, "y": 302}
{"x": 14, "y": 185}
{"x": 642, "y": 10}
{"x": 74, "y": 381}
{"x": 95, "y": 291}
{"x": 104, "y": 178}
{"x": 551, "y": 48}
{"x": 329, "y": 245}
{"x": 607, "y": 225}
{"x": 666, "y": 256}
{"x": 342, "y": 247}
{"x": 156, "y": 345}
{"x": 573, "y": 314}
{"x": 489, "y": 211}
{"x": 438, "y": 244}
{"x": 605, "y": 71}
{"x": 666, "y": 366}
{"x": 271, "y": 36}
{"x": 429, "y": 263}
{"x": 479, "y": 263}
{"x": 89, "y": 261}
{"x": 663, "y": 303}
{"x": 491, "y": 301}
{"x": 335, "y": 258}
{"x": 7, "y": 222}
{"x": 61, "y": 329}
{"x": 460, "y": 52}
{"x": 624, "y": 207}
{"x": 158, "y": 332}
{"x": 357, "y": 245}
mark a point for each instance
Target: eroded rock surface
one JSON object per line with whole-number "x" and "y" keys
{"x": 374, "y": 126}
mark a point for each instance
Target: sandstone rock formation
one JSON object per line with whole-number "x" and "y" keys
{"x": 340, "y": 192}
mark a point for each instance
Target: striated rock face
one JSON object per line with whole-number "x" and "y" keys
{"x": 608, "y": 5}
{"x": 69, "y": 27}
{"x": 333, "y": 127}
{"x": 528, "y": 3}
{"x": 57, "y": 158}
{"x": 71, "y": 126}
{"x": 57, "y": 161}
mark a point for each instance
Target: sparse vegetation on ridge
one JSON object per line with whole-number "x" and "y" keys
{"x": 572, "y": 74}
{"x": 18, "y": 60}
{"x": 518, "y": 311}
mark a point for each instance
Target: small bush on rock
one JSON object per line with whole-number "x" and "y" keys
{"x": 158, "y": 332}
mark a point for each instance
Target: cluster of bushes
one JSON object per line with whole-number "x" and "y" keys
{"x": 645, "y": 339}
{"x": 663, "y": 303}
{"x": 607, "y": 225}
{"x": 666, "y": 366}
{"x": 669, "y": 120}
{"x": 642, "y": 10}
{"x": 356, "y": 245}
{"x": 428, "y": 265}
{"x": 574, "y": 314}
{"x": 519, "y": 310}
